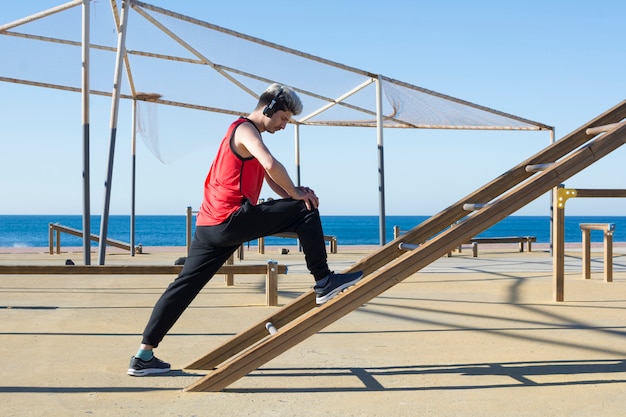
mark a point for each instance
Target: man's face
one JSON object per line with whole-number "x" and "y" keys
{"x": 279, "y": 121}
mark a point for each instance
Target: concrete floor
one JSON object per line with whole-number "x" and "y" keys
{"x": 463, "y": 337}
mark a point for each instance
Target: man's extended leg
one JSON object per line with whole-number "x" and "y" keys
{"x": 200, "y": 266}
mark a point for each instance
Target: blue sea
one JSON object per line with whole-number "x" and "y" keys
{"x": 32, "y": 230}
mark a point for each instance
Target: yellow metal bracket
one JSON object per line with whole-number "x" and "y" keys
{"x": 563, "y": 194}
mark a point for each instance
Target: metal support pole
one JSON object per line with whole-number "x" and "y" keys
{"x": 133, "y": 153}
{"x": 121, "y": 40}
{"x": 296, "y": 130}
{"x": 85, "y": 121}
{"x": 381, "y": 161}
{"x": 188, "y": 224}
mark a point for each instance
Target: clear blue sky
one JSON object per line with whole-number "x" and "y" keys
{"x": 557, "y": 62}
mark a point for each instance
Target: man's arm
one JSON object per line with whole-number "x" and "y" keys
{"x": 248, "y": 143}
{"x": 275, "y": 187}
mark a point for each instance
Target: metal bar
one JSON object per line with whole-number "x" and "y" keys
{"x": 129, "y": 73}
{"x": 338, "y": 100}
{"x": 40, "y": 15}
{"x": 133, "y": 175}
{"x": 537, "y": 167}
{"x": 104, "y": 223}
{"x": 296, "y": 131}
{"x": 601, "y": 129}
{"x": 381, "y": 162}
{"x": 551, "y": 210}
{"x": 86, "y": 130}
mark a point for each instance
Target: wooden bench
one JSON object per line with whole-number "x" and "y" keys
{"x": 485, "y": 240}
{"x": 521, "y": 240}
{"x": 271, "y": 271}
{"x": 608, "y": 229}
{"x": 332, "y": 241}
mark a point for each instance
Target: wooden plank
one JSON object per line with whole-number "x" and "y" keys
{"x": 605, "y": 193}
{"x": 126, "y": 269}
{"x": 605, "y": 227}
{"x": 504, "y": 239}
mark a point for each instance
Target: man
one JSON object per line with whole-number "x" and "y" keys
{"x": 230, "y": 216}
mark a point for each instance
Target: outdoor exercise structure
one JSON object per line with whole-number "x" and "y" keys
{"x": 561, "y": 196}
{"x": 161, "y": 59}
{"x": 422, "y": 245}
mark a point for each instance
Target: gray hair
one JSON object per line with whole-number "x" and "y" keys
{"x": 284, "y": 99}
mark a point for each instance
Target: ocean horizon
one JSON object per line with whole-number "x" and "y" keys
{"x": 24, "y": 231}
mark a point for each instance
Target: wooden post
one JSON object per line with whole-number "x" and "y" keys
{"x": 230, "y": 277}
{"x": 271, "y": 284}
{"x": 608, "y": 256}
{"x": 188, "y": 229}
{"x": 261, "y": 243}
{"x": 58, "y": 240}
{"x": 558, "y": 261}
{"x": 51, "y": 238}
{"x": 333, "y": 245}
{"x": 586, "y": 255}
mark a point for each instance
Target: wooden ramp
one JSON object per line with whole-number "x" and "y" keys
{"x": 390, "y": 265}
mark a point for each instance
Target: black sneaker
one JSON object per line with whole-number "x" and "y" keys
{"x": 335, "y": 283}
{"x": 139, "y": 367}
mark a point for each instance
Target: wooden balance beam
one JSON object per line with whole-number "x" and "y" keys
{"x": 270, "y": 270}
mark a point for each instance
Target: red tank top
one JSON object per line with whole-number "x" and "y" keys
{"x": 230, "y": 181}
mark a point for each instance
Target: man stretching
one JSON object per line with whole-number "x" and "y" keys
{"x": 229, "y": 216}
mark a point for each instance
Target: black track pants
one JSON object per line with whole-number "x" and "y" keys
{"x": 213, "y": 245}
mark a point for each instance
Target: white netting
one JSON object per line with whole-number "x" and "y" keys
{"x": 430, "y": 110}
{"x": 196, "y": 65}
